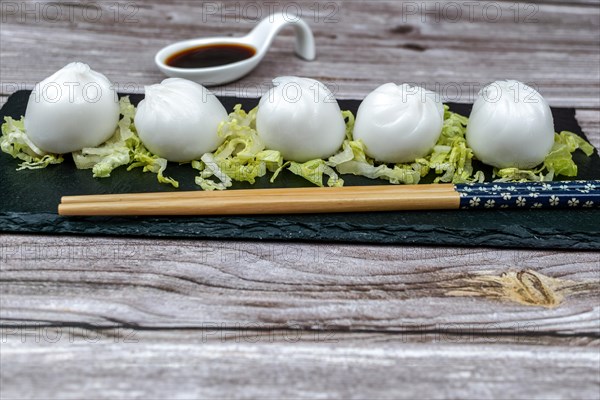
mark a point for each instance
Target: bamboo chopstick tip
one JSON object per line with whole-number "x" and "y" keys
{"x": 62, "y": 209}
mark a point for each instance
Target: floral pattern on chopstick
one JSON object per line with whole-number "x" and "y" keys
{"x": 530, "y": 195}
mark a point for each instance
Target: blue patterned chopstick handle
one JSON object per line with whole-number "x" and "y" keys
{"x": 548, "y": 195}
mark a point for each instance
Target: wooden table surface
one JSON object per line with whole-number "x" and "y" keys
{"x": 141, "y": 318}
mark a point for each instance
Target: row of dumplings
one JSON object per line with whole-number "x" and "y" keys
{"x": 510, "y": 125}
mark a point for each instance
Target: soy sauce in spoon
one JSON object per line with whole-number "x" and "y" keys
{"x": 216, "y": 61}
{"x": 213, "y": 55}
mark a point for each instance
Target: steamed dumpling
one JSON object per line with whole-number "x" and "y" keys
{"x": 179, "y": 119}
{"x": 399, "y": 123}
{"x": 300, "y": 118}
{"x": 76, "y": 107}
{"x": 511, "y": 125}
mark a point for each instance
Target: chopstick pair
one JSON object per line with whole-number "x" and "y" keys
{"x": 573, "y": 194}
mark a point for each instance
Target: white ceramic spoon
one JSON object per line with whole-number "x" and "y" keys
{"x": 259, "y": 38}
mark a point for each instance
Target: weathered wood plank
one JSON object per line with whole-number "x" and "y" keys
{"x": 360, "y": 47}
{"x": 248, "y": 364}
{"x": 157, "y": 283}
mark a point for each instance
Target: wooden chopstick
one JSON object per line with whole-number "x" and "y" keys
{"x": 309, "y": 191}
{"x": 488, "y": 196}
{"x": 261, "y": 202}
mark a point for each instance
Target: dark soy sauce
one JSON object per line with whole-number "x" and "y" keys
{"x": 212, "y": 55}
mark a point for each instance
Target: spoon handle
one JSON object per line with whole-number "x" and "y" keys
{"x": 264, "y": 33}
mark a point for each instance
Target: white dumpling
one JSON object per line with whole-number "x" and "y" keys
{"x": 76, "y": 107}
{"x": 399, "y": 123}
{"x": 179, "y": 120}
{"x": 300, "y": 118}
{"x": 511, "y": 125}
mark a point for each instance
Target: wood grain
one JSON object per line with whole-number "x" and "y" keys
{"x": 553, "y": 45}
{"x": 155, "y": 283}
{"x": 261, "y": 202}
{"x": 305, "y": 191}
{"x": 291, "y": 364}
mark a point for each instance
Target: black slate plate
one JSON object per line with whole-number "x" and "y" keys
{"x": 29, "y": 199}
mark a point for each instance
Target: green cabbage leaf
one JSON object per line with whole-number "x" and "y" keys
{"x": 558, "y": 162}
{"x": 241, "y": 157}
{"x": 15, "y": 142}
{"x": 123, "y": 148}
{"x": 113, "y": 153}
{"x": 450, "y": 158}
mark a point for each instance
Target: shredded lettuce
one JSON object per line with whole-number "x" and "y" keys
{"x": 15, "y": 142}
{"x": 451, "y": 158}
{"x": 353, "y": 160}
{"x": 313, "y": 172}
{"x": 208, "y": 167}
{"x": 113, "y": 153}
{"x": 241, "y": 157}
{"x": 123, "y": 148}
{"x": 522, "y": 175}
{"x": 141, "y": 157}
{"x": 558, "y": 162}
